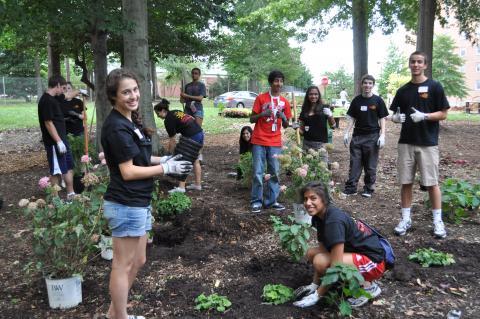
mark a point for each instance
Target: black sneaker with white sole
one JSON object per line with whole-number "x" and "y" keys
{"x": 367, "y": 193}
{"x": 277, "y": 206}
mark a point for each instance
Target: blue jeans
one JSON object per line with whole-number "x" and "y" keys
{"x": 126, "y": 221}
{"x": 260, "y": 155}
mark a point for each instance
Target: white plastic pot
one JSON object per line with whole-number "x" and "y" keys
{"x": 64, "y": 293}
{"x": 106, "y": 247}
{"x": 301, "y": 216}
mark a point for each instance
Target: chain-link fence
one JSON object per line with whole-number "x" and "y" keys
{"x": 14, "y": 90}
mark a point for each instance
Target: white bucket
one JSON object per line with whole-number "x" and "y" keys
{"x": 301, "y": 216}
{"x": 106, "y": 246}
{"x": 64, "y": 293}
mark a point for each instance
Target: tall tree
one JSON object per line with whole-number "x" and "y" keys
{"x": 426, "y": 20}
{"x": 395, "y": 63}
{"x": 445, "y": 67}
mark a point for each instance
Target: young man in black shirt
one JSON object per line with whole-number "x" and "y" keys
{"x": 424, "y": 101}
{"x": 54, "y": 135}
{"x": 367, "y": 112}
{"x": 178, "y": 122}
{"x": 72, "y": 109}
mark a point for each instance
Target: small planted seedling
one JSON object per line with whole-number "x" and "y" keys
{"x": 213, "y": 301}
{"x": 176, "y": 203}
{"x": 277, "y": 294}
{"x": 430, "y": 257}
{"x": 345, "y": 282}
{"x": 293, "y": 237}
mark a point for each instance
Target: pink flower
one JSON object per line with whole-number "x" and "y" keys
{"x": 101, "y": 156}
{"x": 283, "y": 188}
{"x": 266, "y": 177}
{"x": 44, "y": 182}
{"x": 305, "y": 167}
{"x": 301, "y": 172}
{"x": 103, "y": 162}
{"x": 85, "y": 159}
{"x": 275, "y": 156}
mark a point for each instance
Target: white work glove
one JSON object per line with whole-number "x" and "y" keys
{"x": 305, "y": 290}
{"x": 398, "y": 117}
{"x": 346, "y": 138}
{"x": 295, "y": 125}
{"x": 308, "y": 301}
{"x": 62, "y": 149}
{"x": 164, "y": 159}
{"x": 417, "y": 116}
{"x": 175, "y": 167}
{"x": 381, "y": 141}
{"x": 327, "y": 112}
{"x": 83, "y": 92}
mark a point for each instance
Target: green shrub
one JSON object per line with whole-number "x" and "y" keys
{"x": 430, "y": 257}
{"x": 176, "y": 203}
{"x": 213, "y": 301}
{"x": 245, "y": 167}
{"x": 277, "y": 294}
{"x": 237, "y": 113}
{"x": 458, "y": 198}
{"x": 293, "y": 237}
{"x": 345, "y": 282}
{"x": 77, "y": 146}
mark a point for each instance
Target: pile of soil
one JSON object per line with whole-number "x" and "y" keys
{"x": 219, "y": 246}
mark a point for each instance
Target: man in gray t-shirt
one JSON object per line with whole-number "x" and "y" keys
{"x": 192, "y": 96}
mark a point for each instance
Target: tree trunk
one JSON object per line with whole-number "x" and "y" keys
{"x": 360, "y": 42}
{"x": 426, "y": 20}
{"x": 102, "y": 105}
{"x": 153, "y": 72}
{"x": 67, "y": 69}
{"x": 38, "y": 78}
{"x": 53, "y": 51}
{"x": 135, "y": 44}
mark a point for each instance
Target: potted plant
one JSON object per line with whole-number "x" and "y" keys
{"x": 64, "y": 236}
{"x": 81, "y": 160}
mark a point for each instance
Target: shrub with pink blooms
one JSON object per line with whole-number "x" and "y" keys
{"x": 304, "y": 167}
{"x": 44, "y": 182}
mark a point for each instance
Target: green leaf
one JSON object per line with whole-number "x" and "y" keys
{"x": 345, "y": 308}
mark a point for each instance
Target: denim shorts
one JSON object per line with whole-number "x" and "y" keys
{"x": 126, "y": 221}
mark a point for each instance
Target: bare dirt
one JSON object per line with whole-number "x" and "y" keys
{"x": 219, "y": 246}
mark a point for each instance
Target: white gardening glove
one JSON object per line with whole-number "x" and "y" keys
{"x": 417, "y": 116}
{"x": 164, "y": 159}
{"x": 381, "y": 141}
{"x": 62, "y": 149}
{"x": 295, "y": 125}
{"x": 346, "y": 139}
{"x": 83, "y": 92}
{"x": 308, "y": 301}
{"x": 175, "y": 167}
{"x": 305, "y": 290}
{"x": 327, "y": 112}
{"x": 398, "y": 117}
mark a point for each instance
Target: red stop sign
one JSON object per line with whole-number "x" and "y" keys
{"x": 324, "y": 81}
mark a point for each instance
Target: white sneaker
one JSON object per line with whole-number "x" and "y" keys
{"x": 439, "y": 229}
{"x": 374, "y": 291}
{"x": 194, "y": 187}
{"x": 403, "y": 226}
{"x": 176, "y": 190}
{"x": 308, "y": 300}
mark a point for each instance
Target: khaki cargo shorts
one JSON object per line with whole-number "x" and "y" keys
{"x": 426, "y": 158}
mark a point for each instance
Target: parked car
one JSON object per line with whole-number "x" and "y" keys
{"x": 238, "y": 99}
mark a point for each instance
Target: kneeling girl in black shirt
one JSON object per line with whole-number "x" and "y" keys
{"x": 340, "y": 240}
{"x": 128, "y": 152}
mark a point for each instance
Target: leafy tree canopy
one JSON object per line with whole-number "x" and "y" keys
{"x": 395, "y": 63}
{"x": 340, "y": 79}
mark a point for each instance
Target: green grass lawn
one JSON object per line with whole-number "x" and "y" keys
{"x": 24, "y": 115}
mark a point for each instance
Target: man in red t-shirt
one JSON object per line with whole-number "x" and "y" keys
{"x": 270, "y": 113}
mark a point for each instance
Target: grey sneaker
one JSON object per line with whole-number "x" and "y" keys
{"x": 439, "y": 229}
{"x": 194, "y": 187}
{"x": 176, "y": 190}
{"x": 308, "y": 300}
{"x": 374, "y": 291}
{"x": 402, "y": 227}
{"x": 256, "y": 208}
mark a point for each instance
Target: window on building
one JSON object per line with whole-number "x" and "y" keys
{"x": 478, "y": 49}
{"x": 461, "y": 69}
{"x": 463, "y": 51}
{"x": 478, "y": 67}
{"x": 477, "y": 85}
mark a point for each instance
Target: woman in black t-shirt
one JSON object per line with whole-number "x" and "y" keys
{"x": 340, "y": 240}
{"x": 127, "y": 148}
{"x": 313, "y": 120}
{"x": 72, "y": 109}
{"x": 245, "y": 140}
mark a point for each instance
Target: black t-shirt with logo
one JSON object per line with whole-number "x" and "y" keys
{"x": 123, "y": 141}
{"x": 49, "y": 110}
{"x": 73, "y": 123}
{"x": 177, "y": 121}
{"x": 367, "y": 111}
{"x": 426, "y": 97}
{"x": 195, "y": 89}
{"x": 338, "y": 227}
{"x": 315, "y": 127}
